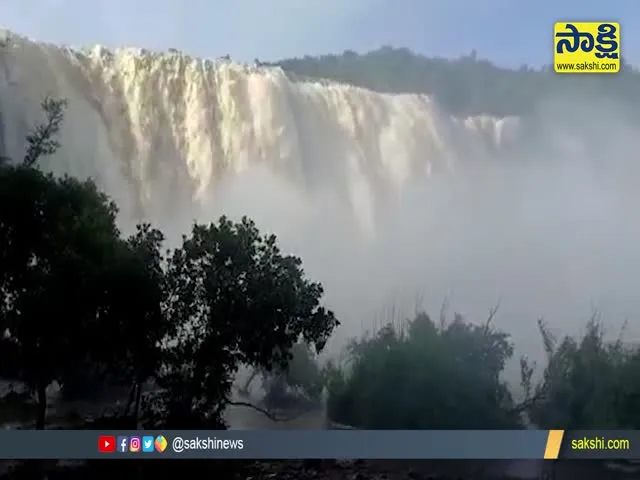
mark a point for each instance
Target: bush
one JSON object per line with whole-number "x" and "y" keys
{"x": 447, "y": 376}
{"x": 424, "y": 376}
{"x": 589, "y": 383}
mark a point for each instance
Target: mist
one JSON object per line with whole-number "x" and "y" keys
{"x": 392, "y": 203}
{"x": 553, "y": 237}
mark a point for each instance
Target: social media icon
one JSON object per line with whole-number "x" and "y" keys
{"x": 161, "y": 443}
{"x": 123, "y": 444}
{"x": 147, "y": 444}
{"x": 106, "y": 444}
{"x": 134, "y": 444}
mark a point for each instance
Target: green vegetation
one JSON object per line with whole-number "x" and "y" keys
{"x": 88, "y": 308}
{"x": 79, "y": 302}
{"x": 425, "y": 376}
{"x": 448, "y": 376}
{"x": 468, "y": 85}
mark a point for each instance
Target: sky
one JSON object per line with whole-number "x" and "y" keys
{"x": 508, "y": 32}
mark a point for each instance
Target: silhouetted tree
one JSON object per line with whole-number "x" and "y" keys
{"x": 235, "y": 300}
{"x": 56, "y": 237}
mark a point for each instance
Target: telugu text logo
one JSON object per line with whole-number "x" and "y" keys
{"x": 586, "y": 47}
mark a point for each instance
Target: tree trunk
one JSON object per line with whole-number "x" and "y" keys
{"x": 42, "y": 406}
{"x": 136, "y": 411}
{"x": 130, "y": 400}
{"x": 245, "y": 389}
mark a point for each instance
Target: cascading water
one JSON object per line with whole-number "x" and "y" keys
{"x": 173, "y": 138}
{"x": 162, "y": 131}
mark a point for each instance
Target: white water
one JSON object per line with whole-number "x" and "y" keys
{"x": 385, "y": 197}
{"x": 163, "y": 129}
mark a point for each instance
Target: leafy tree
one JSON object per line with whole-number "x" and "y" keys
{"x": 42, "y": 140}
{"x": 58, "y": 240}
{"x": 137, "y": 292}
{"x": 589, "y": 383}
{"x": 82, "y": 306}
{"x": 55, "y": 233}
{"x": 424, "y": 376}
{"x": 235, "y": 299}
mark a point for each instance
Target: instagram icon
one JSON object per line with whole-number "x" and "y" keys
{"x": 134, "y": 444}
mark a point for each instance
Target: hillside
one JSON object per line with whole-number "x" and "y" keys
{"x": 468, "y": 85}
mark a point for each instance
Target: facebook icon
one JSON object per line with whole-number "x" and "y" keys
{"x": 122, "y": 443}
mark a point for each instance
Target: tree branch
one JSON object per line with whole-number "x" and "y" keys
{"x": 530, "y": 402}
{"x": 264, "y": 411}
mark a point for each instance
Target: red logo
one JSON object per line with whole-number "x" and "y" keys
{"x": 106, "y": 444}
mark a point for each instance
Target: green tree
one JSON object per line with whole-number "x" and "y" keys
{"x": 53, "y": 236}
{"x": 236, "y": 299}
{"x": 424, "y": 376}
{"x": 136, "y": 289}
{"x": 589, "y": 382}
{"x": 470, "y": 84}
{"x": 58, "y": 241}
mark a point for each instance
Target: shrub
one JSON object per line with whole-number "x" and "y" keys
{"x": 589, "y": 383}
{"x": 447, "y": 376}
{"x": 424, "y": 376}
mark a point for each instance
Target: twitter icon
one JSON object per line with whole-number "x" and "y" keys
{"x": 147, "y": 444}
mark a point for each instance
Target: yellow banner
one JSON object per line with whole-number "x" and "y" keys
{"x": 586, "y": 47}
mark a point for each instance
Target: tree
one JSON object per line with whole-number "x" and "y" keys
{"x": 137, "y": 292}
{"x": 54, "y": 238}
{"x": 589, "y": 383}
{"x": 81, "y": 303}
{"x": 57, "y": 236}
{"x": 468, "y": 85}
{"x": 235, "y": 300}
{"x": 425, "y": 376}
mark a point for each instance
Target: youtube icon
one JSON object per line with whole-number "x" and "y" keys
{"x": 106, "y": 444}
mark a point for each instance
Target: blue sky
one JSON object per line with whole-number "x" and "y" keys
{"x": 509, "y": 32}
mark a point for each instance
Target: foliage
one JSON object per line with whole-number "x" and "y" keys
{"x": 42, "y": 140}
{"x": 235, "y": 299}
{"x": 300, "y": 380}
{"x": 468, "y": 85}
{"x": 589, "y": 383}
{"x": 390, "y": 380}
{"x": 56, "y": 237}
{"x": 424, "y": 376}
{"x": 84, "y": 307}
